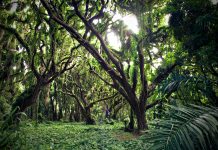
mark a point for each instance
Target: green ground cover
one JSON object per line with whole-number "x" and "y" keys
{"x": 76, "y": 136}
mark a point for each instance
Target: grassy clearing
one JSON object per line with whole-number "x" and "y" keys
{"x": 77, "y": 136}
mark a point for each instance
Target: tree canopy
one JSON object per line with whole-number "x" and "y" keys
{"x": 109, "y": 60}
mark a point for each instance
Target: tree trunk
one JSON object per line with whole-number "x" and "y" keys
{"x": 53, "y": 110}
{"x": 139, "y": 110}
{"x": 46, "y": 100}
{"x": 47, "y": 95}
{"x": 77, "y": 112}
{"x": 131, "y": 122}
{"x": 88, "y": 117}
{"x": 60, "y": 113}
{"x": 114, "y": 109}
{"x": 27, "y": 98}
{"x": 141, "y": 120}
{"x": 71, "y": 119}
{"x": 90, "y": 120}
{"x": 115, "y": 112}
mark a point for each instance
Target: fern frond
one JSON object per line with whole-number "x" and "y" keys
{"x": 191, "y": 128}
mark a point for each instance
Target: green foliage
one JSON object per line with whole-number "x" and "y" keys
{"x": 77, "y": 136}
{"x": 189, "y": 87}
{"x": 8, "y": 139}
{"x": 4, "y": 106}
{"x": 9, "y": 132}
{"x": 195, "y": 28}
{"x": 193, "y": 127}
{"x": 51, "y": 48}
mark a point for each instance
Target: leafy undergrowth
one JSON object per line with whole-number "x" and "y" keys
{"x": 77, "y": 136}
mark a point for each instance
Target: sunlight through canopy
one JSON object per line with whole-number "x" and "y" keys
{"x": 131, "y": 23}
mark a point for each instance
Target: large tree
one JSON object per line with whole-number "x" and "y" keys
{"x": 138, "y": 92}
{"x": 86, "y": 90}
{"x": 39, "y": 36}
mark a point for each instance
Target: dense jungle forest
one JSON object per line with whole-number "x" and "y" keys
{"x": 109, "y": 74}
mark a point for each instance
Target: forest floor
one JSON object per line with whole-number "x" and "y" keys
{"x": 76, "y": 136}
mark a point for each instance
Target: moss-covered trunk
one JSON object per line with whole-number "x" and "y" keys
{"x": 27, "y": 98}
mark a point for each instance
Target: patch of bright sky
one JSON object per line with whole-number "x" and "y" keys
{"x": 113, "y": 40}
{"x": 132, "y": 24}
{"x": 14, "y": 67}
{"x": 157, "y": 62}
{"x": 96, "y": 21}
{"x": 166, "y": 19}
{"x": 154, "y": 50}
{"x": 125, "y": 65}
{"x": 130, "y": 21}
{"x": 214, "y": 1}
{"x": 13, "y": 7}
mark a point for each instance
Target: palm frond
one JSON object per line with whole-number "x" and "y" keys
{"x": 190, "y": 128}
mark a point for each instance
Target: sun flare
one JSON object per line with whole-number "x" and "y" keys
{"x": 131, "y": 23}
{"x": 129, "y": 20}
{"x": 113, "y": 40}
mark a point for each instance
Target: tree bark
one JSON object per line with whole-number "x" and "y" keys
{"x": 115, "y": 111}
{"x": 76, "y": 114}
{"x": 71, "y": 119}
{"x": 141, "y": 120}
{"x": 27, "y": 98}
{"x": 131, "y": 122}
{"x": 88, "y": 117}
